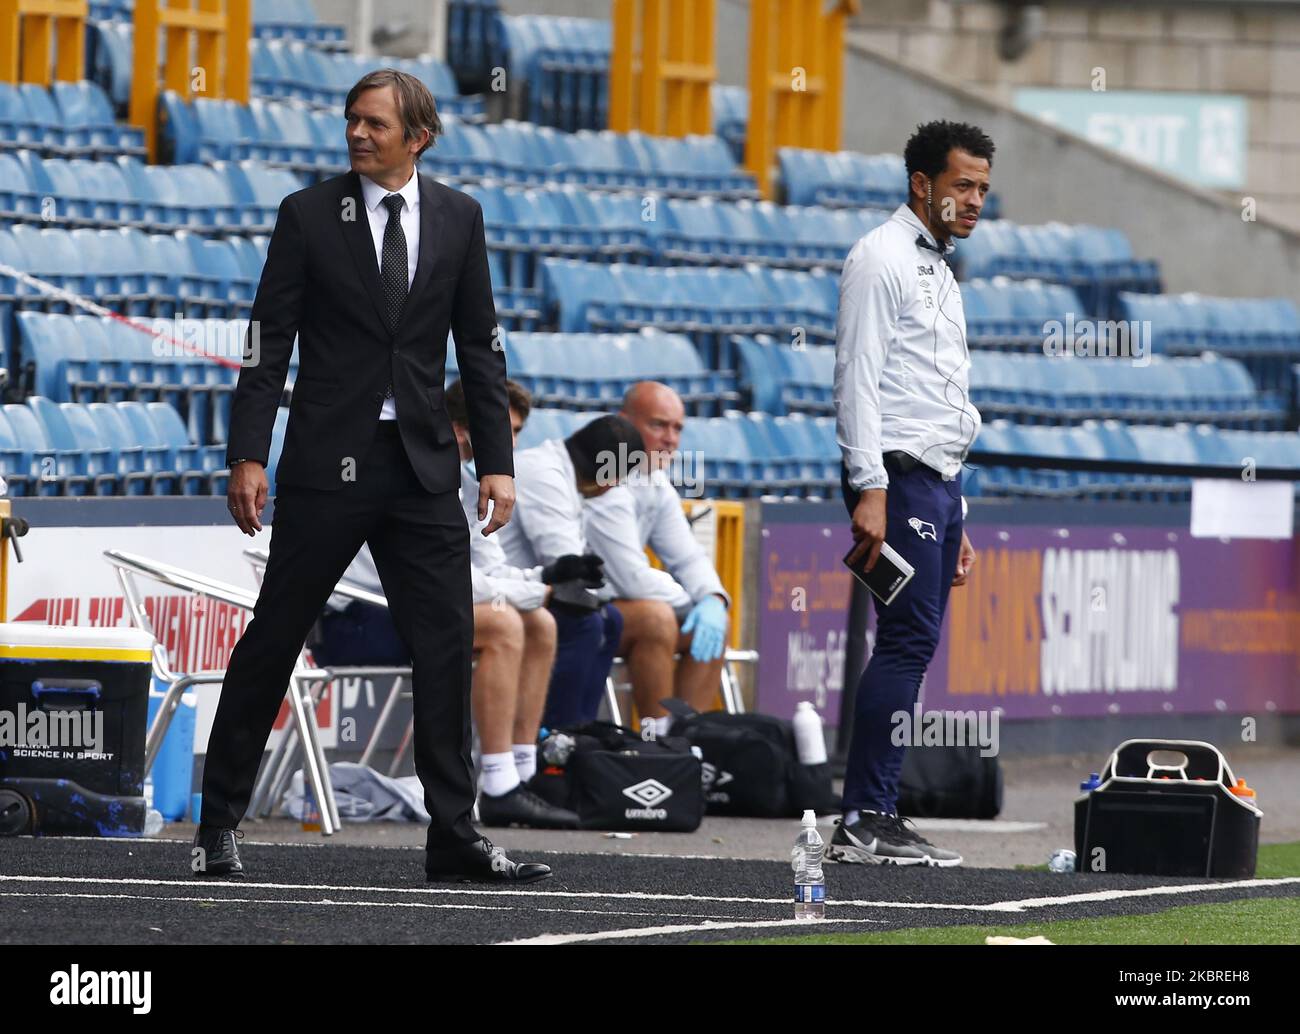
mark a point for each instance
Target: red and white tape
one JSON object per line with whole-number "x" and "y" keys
{"x": 94, "y": 308}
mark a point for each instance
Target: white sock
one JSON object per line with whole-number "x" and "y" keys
{"x": 499, "y": 774}
{"x": 525, "y": 760}
{"x": 850, "y": 817}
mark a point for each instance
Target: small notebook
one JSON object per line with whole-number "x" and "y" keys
{"x": 887, "y": 578}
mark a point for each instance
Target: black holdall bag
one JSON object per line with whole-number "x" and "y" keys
{"x": 615, "y": 780}
{"x": 751, "y": 766}
{"x": 950, "y": 782}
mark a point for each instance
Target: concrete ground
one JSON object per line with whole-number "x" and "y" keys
{"x": 1037, "y": 817}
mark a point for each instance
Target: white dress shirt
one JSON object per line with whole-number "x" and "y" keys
{"x": 648, "y": 512}
{"x": 372, "y": 195}
{"x": 493, "y": 576}
{"x": 901, "y": 364}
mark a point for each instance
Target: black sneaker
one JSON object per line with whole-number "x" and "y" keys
{"x": 522, "y": 807}
{"x": 873, "y": 840}
{"x": 939, "y": 856}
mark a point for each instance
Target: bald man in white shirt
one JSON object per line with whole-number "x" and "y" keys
{"x": 681, "y": 609}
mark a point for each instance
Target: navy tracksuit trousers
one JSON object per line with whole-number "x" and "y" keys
{"x": 923, "y": 523}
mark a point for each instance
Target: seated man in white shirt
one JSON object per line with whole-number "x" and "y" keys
{"x": 551, "y": 482}
{"x": 519, "y": 636}
{"x": 682, "y": 608}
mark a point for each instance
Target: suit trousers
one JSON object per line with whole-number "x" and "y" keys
{"x": 420, "y": 544}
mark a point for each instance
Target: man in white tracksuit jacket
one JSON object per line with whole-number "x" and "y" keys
{"x": 904, "y": 421}
{"x": 554, "y": 479}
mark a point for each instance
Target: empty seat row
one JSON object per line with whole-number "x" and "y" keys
{"x": 272, "y": 19}
{"x": 783, "y": 377}
{"x": 527, "y": 223}
{"x": 312, "y": 140}
{"x": 1002, "y": 311}
{"x": 220, "y": 197}
{"x": 708, "y": 304}
{"x": 66, "y": 120}
{"x": 124, "y": 448}
{"x": 563, "y": 64}
{"x": 1096, "y": 261}
{"x": 1048, "y": 389}
{"x": 191, "y": 364}
{"x": 133, "y": 272}
{"x": 1112, "y": 440}
{"x": 581, "y": 370}
{"x": 299, "y": 71}
{"x": 1193, "y": 321}
{"x": 849, "y": 179}
{"x": 293, "y": 20}
{"x": 471, "y": 40}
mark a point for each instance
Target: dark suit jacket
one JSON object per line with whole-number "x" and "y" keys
{"x": 321, "y": 282}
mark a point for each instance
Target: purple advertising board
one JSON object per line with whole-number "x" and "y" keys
{"x": 1108, "y": 609}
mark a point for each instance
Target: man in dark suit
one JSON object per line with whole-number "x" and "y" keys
{"x": 369, "y": 270}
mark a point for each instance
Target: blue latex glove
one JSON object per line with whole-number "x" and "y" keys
{"x": 708, "y": 620}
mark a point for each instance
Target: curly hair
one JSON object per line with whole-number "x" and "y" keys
{"x": 927, "y": 150}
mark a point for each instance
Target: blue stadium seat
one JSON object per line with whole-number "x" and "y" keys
{"x": 60, "y": 470}
{"x": 96, "y": 460}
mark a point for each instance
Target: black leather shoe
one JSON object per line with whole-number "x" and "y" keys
{"x": 215, "y": 852}
{"x": 524, "y": 808}
{"x": 480, "y": 861}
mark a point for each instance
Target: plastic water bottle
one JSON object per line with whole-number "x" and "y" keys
{"x": 806, "y": 860}
{"x": 311, "y": 810}
{"x": 557, "y": 748}
{"x": 809, "y": 740}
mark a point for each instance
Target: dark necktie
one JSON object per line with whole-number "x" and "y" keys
{"x": 393, "y": 267}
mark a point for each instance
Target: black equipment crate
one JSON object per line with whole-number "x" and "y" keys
{"x": 73, "y": 704}
{"x": 1167, "y": 808}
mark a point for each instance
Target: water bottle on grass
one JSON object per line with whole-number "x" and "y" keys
{"x": 809, "y": 881}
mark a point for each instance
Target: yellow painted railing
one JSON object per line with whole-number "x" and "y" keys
{"x": 796, "y": 79}
{"x": 662, "y": 66}
{"x": 28, "y": 30}
{"x": 216, "y": 64}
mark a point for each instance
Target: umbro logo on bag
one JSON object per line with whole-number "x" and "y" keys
{"x": 649, "y": 793}
{"x": 923, "y": 528}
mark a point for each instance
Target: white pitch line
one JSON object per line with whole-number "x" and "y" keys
{"x": 467, "y": 891}
{"x": 999, "y": 906}
{"x": 654, "y": 931}
{"x": 1143, "y": 892}
{"x": 256, "y": 901}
